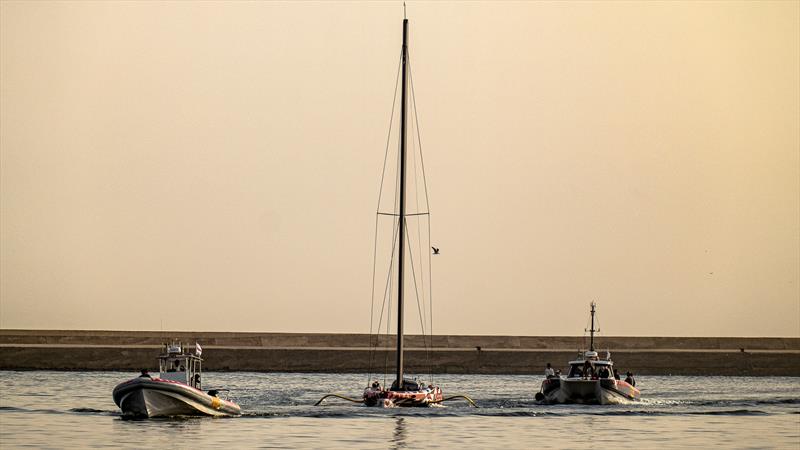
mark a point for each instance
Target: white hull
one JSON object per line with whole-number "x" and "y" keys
{"x": 158, "y": 398}
{"x": 591, "y": 392}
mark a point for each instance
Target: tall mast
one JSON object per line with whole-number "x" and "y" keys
{"x": 402, "y": 215}
{"x": 591, "y": 331}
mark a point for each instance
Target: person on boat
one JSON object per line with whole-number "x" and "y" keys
{"x": 603, "y": 372}
{"x": 549, "y": 372}
{"x": 588, "y": 369}
{"x": 376, "y": 385}
{"x": 616, "y": 374}
{"x": 630, "y": 380}
{"x": 145, "y": 374}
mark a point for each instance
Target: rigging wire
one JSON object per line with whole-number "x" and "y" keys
{"x": 387, "y": 294}
{"x": 416, "y": 288}
{"x": 399, "y": 225}
{"x": 396, "y": 226}
{"x": 372, "y": 298}
{"x": 415, "y": 126}
{"x": 389, "y": 134}
{"x": 388, "y": 322}
{"x": 427, "y": 338}
{"x": 380, "y": 194}
{"x": 427, "y": 202}
{"x": 419, "y": 307}
{"x": 419, "y": 138}
{"x": 430, "y": 294}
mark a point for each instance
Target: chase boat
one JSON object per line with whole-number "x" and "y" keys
{"x": 590, "y": 380}
{"x": 176, "y": 391}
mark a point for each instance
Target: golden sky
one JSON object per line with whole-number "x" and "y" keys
{"x": 215, "y": 166}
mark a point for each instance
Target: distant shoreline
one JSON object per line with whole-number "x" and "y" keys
{"x": 320, "y": 352}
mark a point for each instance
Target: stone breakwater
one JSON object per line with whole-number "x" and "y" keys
{"x": 313, "y": 352}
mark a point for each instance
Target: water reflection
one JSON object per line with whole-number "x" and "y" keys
{"x": 400, "y": 433}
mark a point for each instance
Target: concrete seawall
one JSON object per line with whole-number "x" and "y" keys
{"x": 295, "y": 352}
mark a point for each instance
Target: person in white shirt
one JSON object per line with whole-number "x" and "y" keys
{"x": 549, "y": 372}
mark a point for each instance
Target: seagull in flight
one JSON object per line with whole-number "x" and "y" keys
{"x": 435, "y": 250}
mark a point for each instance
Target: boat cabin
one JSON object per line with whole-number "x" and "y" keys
{"x": 590, "y": 366}
{"x": 175, "y": 365}
{"x": 408, "y": 385}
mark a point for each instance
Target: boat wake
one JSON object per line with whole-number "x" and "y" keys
{"x": 13, "y": 409}
{"x": 93, "y": 411}
{"x": 747, "y": 402}
{"x": 724, "y": 403}
{"x": 736, "y": 412}
{"x": 488, "y": 409}
{"x": 484, "y": 412}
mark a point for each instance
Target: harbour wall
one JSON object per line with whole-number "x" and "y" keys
{"x": 317, "y": 352}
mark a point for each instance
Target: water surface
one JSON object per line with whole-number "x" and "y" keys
{"x": 43, "y": 409}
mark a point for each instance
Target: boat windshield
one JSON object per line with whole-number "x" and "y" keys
{"x": 598, "y": 369}
{"x": 575, "y": 371}
{"x": 181, "y": 367}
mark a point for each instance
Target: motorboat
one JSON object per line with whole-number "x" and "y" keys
{"x": 176, "y": 391}
{"x": 590, "y": 380}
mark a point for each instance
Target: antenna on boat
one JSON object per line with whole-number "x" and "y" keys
{"x": 404, "y": 10}
{"x": 592, "y": 331}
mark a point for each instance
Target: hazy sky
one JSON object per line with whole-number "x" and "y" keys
{"x": 215, "y": 166}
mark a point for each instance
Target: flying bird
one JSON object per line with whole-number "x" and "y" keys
{"x": 435, "y": 250}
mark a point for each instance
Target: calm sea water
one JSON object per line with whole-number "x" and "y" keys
{"x": 75, "y": 410}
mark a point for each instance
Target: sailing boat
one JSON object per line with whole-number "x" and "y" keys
{"x": 402, "y": 392}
